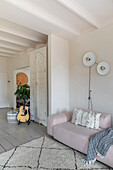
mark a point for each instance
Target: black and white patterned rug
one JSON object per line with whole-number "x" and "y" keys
{"x": 45, "y": 153}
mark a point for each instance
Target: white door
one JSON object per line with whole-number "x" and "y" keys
{"x": 3, "y": 90}
{"x": 41, "y": 80}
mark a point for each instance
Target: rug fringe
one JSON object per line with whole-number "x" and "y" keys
{"x": 88, "y": 162}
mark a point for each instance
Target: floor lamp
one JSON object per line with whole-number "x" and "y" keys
{"x": 103, "y": 68}
{"x": 89, "y": 60}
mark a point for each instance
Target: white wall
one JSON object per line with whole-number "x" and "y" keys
{"x": 101, "y": 43}
{"x": 10, "y": 82}
{"x": 4, "y": 85}
{"x": 21, "y": 60}
{"x": 3, "y": 64}
{"x": 58, "y": 74}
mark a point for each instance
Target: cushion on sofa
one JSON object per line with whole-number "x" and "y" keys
{"x": 88, "y": 119}
{"x": 105, "y": 119}
{"x": 93, "y": 120}
{"x": 73, "y": 135}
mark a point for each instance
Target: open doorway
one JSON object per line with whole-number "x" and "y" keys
{"x": 22, "y": 76}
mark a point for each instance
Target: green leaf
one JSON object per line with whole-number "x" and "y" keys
{"x": 22, "y": 91}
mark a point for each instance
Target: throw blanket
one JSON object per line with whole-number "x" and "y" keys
{"x": 99, "y": 145}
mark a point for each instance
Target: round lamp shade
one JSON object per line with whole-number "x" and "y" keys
{"x": 103, "y": 68}
{"x": 89, "y": 59}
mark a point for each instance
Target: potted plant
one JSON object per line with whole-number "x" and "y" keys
{"x": 22, "y": 92}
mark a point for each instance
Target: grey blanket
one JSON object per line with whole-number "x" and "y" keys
{"x": 99, "y": 145}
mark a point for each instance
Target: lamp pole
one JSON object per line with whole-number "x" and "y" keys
{"x": 90, "y": 107}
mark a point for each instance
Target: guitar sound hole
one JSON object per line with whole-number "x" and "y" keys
{"x": 24, "y": 111}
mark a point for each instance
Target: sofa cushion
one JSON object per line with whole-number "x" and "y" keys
{"x": 74, "y": 135}
{"x": 79, "y": 117}
{"x": 93, "y": 120}
{"x": 105, "y": 119}
{"x": 88, "y": 119}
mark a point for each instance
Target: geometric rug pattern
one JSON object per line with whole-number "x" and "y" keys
{"x": 45, "y": 153}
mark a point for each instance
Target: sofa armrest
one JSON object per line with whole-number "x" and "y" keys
{"x": 57, "y": 119}
{"x": 105, "y": 121}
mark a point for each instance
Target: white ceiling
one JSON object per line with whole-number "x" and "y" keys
{"x": 100, "y": 9}
{"x": 24, "y": 23}
{"x": 15, "y": 38}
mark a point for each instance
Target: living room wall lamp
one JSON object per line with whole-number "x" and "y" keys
{"x": 103, "y": 68}
{"x": 89, "y": 60}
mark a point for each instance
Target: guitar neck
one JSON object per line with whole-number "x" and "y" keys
{"x": 24, "y": 104}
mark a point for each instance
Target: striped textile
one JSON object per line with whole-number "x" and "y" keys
{"x": 87, "y": 119}
{"x": 99, "y": 145}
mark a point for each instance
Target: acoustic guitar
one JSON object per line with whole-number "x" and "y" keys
{"x": 23, "y": 115}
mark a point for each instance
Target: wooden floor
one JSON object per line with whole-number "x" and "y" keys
{"x": 12, "y": 135}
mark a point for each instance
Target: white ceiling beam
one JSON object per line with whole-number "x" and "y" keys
{"x": 2, "y": 54}
{"x": 6, "y": 56}
{"x": 19, "y": 33}
{"x": 11, "y": 46}
{"x": 13, "y": 41}
{"x": 81, "y": 12}
{"x": 5, "y": 50}
{"x": 43, "y": 15}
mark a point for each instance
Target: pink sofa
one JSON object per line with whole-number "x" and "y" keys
{"x": 75, "y": 136}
